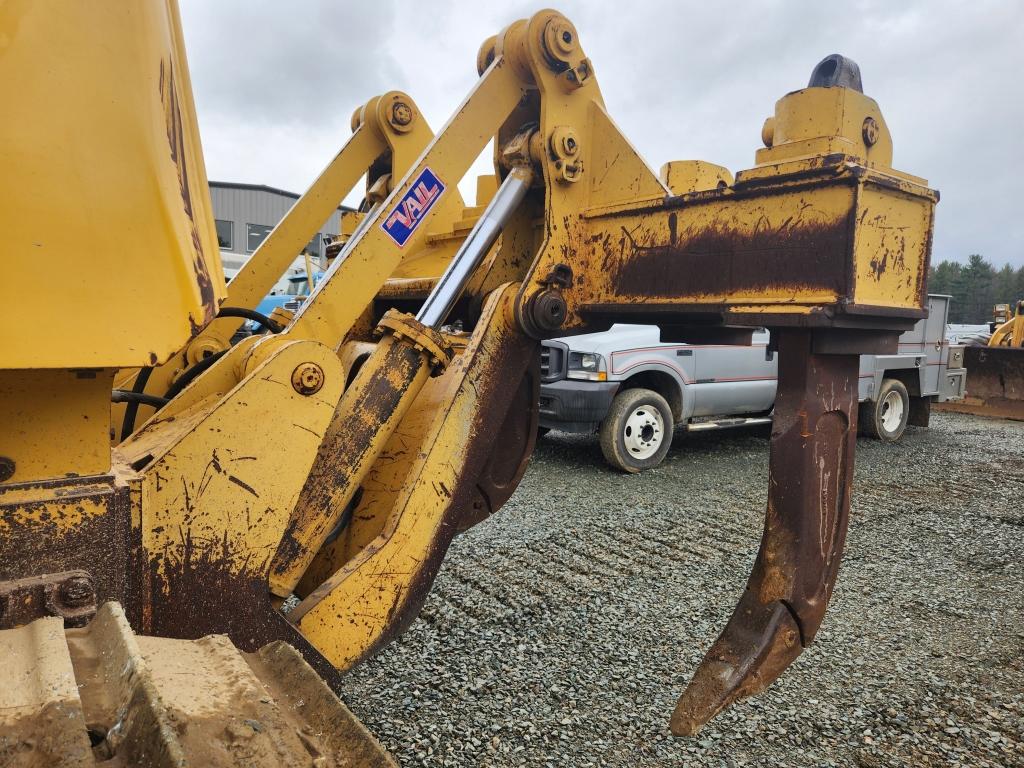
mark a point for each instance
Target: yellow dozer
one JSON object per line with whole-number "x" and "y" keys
{"x": 198, "y": 539}
{"x": 995, "y": 371}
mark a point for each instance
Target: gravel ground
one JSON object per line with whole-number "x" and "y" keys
{"x": 561, "y": 631}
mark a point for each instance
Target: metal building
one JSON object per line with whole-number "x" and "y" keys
{"x": 246, "y": 213}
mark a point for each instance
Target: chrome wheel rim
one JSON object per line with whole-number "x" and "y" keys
{"x": 643, "y": 432}
{"x": 892, "y": 411}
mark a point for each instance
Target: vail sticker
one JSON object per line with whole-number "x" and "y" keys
{"x": 412, "y": 208}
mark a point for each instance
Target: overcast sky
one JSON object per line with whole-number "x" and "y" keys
{"x": 276, "y": 83}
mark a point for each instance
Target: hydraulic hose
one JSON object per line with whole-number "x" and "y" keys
{"x": 251, "y": 314}
{"x": 131, "y": 410}
{"x": 136, "y": 398}
{"x": 191, "y": 374}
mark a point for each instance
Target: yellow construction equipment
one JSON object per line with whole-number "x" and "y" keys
{"x": 995, "y": 372}
{"x": 331, "y": 463}
{"x": 1008, "y": 329}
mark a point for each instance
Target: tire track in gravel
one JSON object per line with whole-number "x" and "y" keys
{"x": 561, "y": 631}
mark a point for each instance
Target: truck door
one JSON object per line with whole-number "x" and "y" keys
{"x": 734, "y": 380}
{"x": 935, "y": 345}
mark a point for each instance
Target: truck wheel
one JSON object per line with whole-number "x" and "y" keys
{"x": 886, "y": 417}
{"x": 637, "y": 432}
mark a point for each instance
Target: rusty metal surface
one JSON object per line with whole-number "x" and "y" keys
{"x": 366, "y": 415}
{"x": 509, "y": 456}
{"x": 451, "y": 477}
{"x": 75, "y": 527}
{"x": 815, "y": 253}
{"x": 995, "y": 383}
{"x": 810, "y": 474}
{"x": 489, "y": 474}
{"x": 70, "y": 596}
{"x": 203, "y": 594}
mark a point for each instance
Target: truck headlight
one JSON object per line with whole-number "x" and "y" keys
{"x": 587, "y": 366}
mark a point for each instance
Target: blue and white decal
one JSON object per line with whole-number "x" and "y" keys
{"x": 413, "y": 207}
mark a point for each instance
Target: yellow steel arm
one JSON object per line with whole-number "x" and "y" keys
{"x": 351, "y": 283}
{"x": 388, "y": 134}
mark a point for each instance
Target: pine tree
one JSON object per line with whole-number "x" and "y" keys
{"x": 976, "y": 285}
{"x": 1004, "y": 286}
{"x": 945, "y": 279}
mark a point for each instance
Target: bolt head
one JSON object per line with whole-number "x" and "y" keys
{"x": 401, "y": 113}
{"x": 77, "y": 592}
{"x": 308, "y": 378}
{"x": 6, "y": 468}
{"x": 870, "y": 131}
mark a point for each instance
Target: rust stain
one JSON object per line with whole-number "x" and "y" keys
{"x": 361, "y": 414}
{"x": 490, "y": 465}
{"x": 176, "y": 143}
{"x": 76, "y": 524}
{"x": 718, "y": 259}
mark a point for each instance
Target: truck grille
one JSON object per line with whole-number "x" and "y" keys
{"x": 552, "y": 360}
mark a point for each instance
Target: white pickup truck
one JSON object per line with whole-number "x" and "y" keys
{"x": 635, "y": 390}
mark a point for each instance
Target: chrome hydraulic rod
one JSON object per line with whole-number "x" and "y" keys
{"x": 473, "y": 249}
{"x": 409, "y": 352}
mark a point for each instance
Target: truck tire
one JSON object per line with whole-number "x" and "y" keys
{"x": 637, "y": 432}
{"x": 886, "y": 417}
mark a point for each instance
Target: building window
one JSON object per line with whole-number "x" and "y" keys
{"x": 255, "y": 234}
{"x": 225, "y": 230}
{"x": 313, "y": 249}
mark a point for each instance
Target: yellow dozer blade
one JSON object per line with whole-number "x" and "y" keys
{"x": 995, "y": 383}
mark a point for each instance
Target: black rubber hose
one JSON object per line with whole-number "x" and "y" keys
{"x": 346, "y": 517}
{"x": 251, "y": 314}
{"x": 135, "y": 398}
{"x": 192, "y": 373}
{"x": 131, "y": 411}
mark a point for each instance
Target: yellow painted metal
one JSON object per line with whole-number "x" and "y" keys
{"x": 108, "y": 195}
{"x": 376, "y": 134}
{"x": 816, "y": 122}
{"x": 220, "y": 477}
{"x": 685, "y": 176}
{"x": 859, "y": 238}
{"x": 369, "y": 589}
{"x": 369, "y": 411}
{"x": 353, "y": 282}
{"x": 215, "y": 479}
{"x": 54, "y": 422}
{"x": 822, "y": 219}
{"x": 1010, "y": 333}
{"x": 892, "y": 241}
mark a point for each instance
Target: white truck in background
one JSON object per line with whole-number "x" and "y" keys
{"x": 635, "y": 390}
